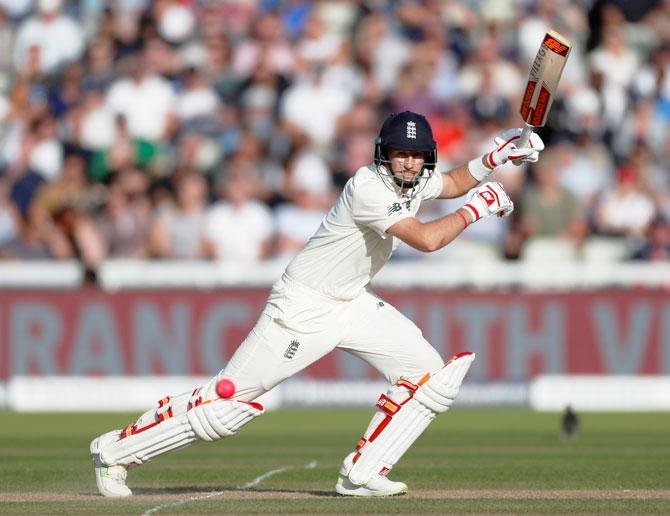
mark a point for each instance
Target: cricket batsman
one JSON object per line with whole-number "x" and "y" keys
{"x": 324, "y": 301}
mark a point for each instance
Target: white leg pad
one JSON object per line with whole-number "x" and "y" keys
{"x": 208, "y": 421}
{"x": 399, "y": 423}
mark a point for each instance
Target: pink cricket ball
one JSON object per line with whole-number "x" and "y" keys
{"x": 225, "y": 388}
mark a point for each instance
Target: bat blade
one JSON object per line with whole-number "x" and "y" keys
{"x": 543, "y": 81}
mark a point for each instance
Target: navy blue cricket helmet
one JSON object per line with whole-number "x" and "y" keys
{"x": 405, "y": 131}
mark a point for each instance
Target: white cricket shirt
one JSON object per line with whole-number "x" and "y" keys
{"x": 351, "y": 245}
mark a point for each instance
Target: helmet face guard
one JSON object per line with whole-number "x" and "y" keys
{"x": 410, "y": 132}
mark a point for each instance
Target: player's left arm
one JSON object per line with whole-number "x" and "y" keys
{"x": 458, "y": 181}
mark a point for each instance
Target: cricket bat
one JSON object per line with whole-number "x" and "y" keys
{"x": 542, "y": 82}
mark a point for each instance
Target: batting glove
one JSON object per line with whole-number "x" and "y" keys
{"x": 488, "y": 199}
{"x": 505, "y": 151}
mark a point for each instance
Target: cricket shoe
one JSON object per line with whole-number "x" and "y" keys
{"x": 378, "y": 485}
{"x": 111, "y": 480}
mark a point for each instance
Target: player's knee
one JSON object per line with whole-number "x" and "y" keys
{"x": 425, "y": 361}
{"x": 441, "y": 388}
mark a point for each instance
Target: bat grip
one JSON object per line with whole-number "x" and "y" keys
{"x": 525, "y": 136}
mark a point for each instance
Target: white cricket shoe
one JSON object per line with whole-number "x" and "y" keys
{"x": 111, "y": 480}
{"x": 378, "y": 485}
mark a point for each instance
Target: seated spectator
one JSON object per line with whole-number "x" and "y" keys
{"x": 549, "y": 209}
{"x": 124, "y": 221}
{"x": 317, "y": 44}
{"x": 145, "y": 99}
{"x": 178, "y": 224}
{"x": 36, "y": 239}
{"x": 314, "y": 106}
{"x": 197, "y": 100}
{"x": 657, "y": 246}
{"x": 69, "y": 189}
{"x": 584, "y": 169}
{"x": 84, "y": 241}
{"x": 238, "y": 226}
{"x": 61, "y": 210}
{"x": 46, "y": 155}
{"x": 627, "y": 209}
{"x": 99, "y": 71}
{"x": 58, "y": 38}
{"x": 9, "y": 213}
{"x": 267, "y": 39}
{"x": 309, "y": 191}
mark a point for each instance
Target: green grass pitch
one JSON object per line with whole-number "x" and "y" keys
{"x": 468, "y": 461}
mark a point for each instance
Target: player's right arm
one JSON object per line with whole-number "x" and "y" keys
{"x": 483, "y": 201}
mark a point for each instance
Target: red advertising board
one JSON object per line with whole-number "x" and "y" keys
{"x": 516, "y": 335}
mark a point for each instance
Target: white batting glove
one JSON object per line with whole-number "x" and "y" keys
{"x": 532, "y": 149}
{"x": 488, "y": 199}
{"x": 506, "y": 151}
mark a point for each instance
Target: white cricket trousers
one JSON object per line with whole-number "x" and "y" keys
{"x": 299, "y": 325}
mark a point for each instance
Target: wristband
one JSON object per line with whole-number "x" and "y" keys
{"x": 462, "y": 218}
{"x": 473, "y": 212}
{"x": 477, "y": 168}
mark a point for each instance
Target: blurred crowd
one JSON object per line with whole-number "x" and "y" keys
{"x": 224, "y": 129}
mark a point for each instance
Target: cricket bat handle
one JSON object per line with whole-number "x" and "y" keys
{"x": 525, "y": 136}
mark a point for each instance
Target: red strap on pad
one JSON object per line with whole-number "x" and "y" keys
{"x": 387, "y": 405}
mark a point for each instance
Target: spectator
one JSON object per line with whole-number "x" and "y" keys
{"x": 145, "y": 99}
{"x": 64, "y": 206}
{"x": 317, "y": 45}
{"x": 614, "y": 65}
{"x": 314, "y": 106}
{"x": 46, "y": 155}
{"x": 7, "y": 35}
{"x": 380, "y": 50}
{"x": 657, "y": 246}
{"x": 124, "y": 222}
{"x": 99, "y": 69}
{"x": 583, "y": 170}
{"x": 309, "y": 193}
{"x": 238, "y": 226}
{"x": 267, "y": 41}
{"x": 37, "y": 239}
{"x": 54, "y": 37}
{"x": 627, "y": 209}
{"x": 177, "y": 229}
{"x": 549, "y": 209}
{"x": 97, "y": 128}
{"x": 9, "y": 214}
{"x": 197, "y": 100}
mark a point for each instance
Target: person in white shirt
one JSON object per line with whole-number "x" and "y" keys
{"x": 145, "y": 99}
{"x": 238, "y": 226}
{"x": 324, "y": 301}
{"x": 58, "y": 38}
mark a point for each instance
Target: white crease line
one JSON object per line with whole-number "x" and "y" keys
{"x": 258, "y": 480}
{"x": 254, "y": 482}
